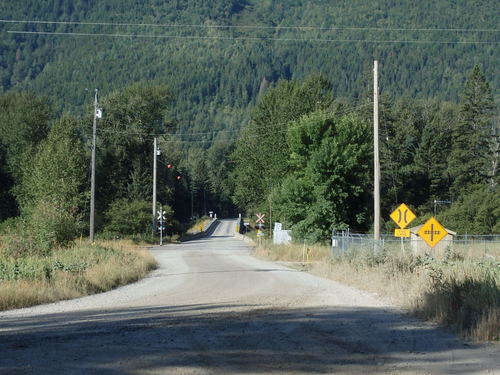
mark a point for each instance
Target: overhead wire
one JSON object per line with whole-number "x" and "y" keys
{"x": 251, "y": 27}
{"x": 249, "y": 38}
{"x": 213, "y": 133}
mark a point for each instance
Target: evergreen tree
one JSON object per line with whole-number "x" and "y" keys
{"x": 262, "y": 153}
{"x": 472, "y": 152}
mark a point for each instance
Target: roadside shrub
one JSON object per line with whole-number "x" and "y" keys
{"x": 47, "y": 227}
{"x": 466, "y": 303}
{"x": 125, "y": 217}
{"x": 52, "y": 226}
{"x": 70, "y": 273}
{"x": 128, "y": 217}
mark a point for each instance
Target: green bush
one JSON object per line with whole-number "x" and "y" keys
{"x": 19, "y": 242}
{"x": 52, "y": 226}
{"x": 125, "y": 217}
{"x": 47, "y": 227}
{"x": 477, "y": 212}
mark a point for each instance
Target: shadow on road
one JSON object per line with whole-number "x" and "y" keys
{"x": 237, "y": 338}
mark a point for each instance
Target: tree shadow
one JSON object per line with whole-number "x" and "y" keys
{"x": 234, "y": 338}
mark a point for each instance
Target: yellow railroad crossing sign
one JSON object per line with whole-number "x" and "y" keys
{"x": 401, "y": 233}
{"x": 403, "y": 216}
{"x": 432, "y": 232}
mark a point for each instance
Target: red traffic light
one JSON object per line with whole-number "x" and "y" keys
{"x": 179, "y": 177}
{"x": 169, "y": 165}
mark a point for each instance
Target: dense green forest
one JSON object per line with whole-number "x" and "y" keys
{"x": 253, "y": 103}
{"x": 216, "y": 80}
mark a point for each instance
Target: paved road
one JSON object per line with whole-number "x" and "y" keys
{"x": 211, "y": 308}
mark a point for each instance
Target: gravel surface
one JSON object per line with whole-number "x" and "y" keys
{"x": 211, "y": 308}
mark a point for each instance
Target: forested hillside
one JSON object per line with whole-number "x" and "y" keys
{"x": 215, "y": 80}
{"x": 253, "y": 102}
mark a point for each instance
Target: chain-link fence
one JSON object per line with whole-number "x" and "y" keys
{"x": 465, "y": 246}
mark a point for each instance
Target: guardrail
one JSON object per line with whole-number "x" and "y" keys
{"x": 208, "y": 229}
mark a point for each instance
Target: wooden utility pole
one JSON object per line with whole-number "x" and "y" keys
{"x": 270, "y": 218}
{"x": 92, "y": 178}
{"x": 155, "y": 153}
{"x": 376, "y": 182}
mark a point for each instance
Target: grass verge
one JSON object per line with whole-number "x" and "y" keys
{"x": 198, "y": 225}
{"x": 69, "y": 273}
{"x": 461, "y": 293}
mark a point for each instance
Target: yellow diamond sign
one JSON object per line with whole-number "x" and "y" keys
{"x": 432, "y": 232}
{"x": 403, "y": 216}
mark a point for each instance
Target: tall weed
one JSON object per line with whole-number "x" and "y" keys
{"x": 69, "y": 273}
{"x": 460, "y": 292}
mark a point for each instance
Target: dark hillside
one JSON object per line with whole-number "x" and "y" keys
{"x": 216, "y": 78}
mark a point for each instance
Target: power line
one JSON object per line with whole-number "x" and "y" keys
{"x": 272, "y": 39}
{"x": 213, "y": 133}
{"x": 251, "y": 27}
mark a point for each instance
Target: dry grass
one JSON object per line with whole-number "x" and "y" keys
{"x": 462, "y": 293}
{"x": 76, "y": 272}
{"x": 198, "y": 226}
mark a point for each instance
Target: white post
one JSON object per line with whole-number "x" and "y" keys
{"x": 161, "y": 225}
{"x": 154, "y": 187}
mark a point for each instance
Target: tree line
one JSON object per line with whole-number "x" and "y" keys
{"x": 305, "y": 153}
{"x": 45, "y": 168}
{"x": 308, "y": 156}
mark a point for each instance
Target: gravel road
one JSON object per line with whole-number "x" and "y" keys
{"x": 211, "y": 308}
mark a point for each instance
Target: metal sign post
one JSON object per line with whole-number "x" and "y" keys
{"x": 161, "y": 221}
{"x": 402, "y": 216}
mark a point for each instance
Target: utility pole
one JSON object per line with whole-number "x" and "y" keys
{"x": 376, "y": 182}
{"x": 155, "y": 153}
{"x": 92, "y": 179}
{"x": 192, "y": 203}
{"x": 270, "y": 217}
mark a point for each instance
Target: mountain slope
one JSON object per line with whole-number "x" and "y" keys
{"x": 216, "y": 78}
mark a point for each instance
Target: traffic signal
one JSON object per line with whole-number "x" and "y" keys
{"x": 179, "y": 177}
{"x": 169, "y": 166}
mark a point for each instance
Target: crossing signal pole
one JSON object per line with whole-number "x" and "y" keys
{"x": 155, "y": 153}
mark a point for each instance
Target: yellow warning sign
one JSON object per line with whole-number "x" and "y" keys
{"x": 403, "y": 216}
{"x": 401, "y": 233}
{"x": 432, "y": 232}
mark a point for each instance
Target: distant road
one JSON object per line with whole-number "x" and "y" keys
{"x": 211, "y": 308}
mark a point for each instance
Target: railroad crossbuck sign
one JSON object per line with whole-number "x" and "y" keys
{"x": 432, "y": 232}
{"x": 260, "y": 218}
{"x": 403, "y": 216}
{"x": 161, "y": 215}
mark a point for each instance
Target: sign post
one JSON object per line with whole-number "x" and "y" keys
{"x": 161, "y": 220}
{"x": 260, "y": 223}
{"x": 402, "y": 216}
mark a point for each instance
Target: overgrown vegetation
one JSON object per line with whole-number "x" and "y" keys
{"x": 460, "y": 292}
{"x": 309, "y": 158}
{"x": 72, "y": 272}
